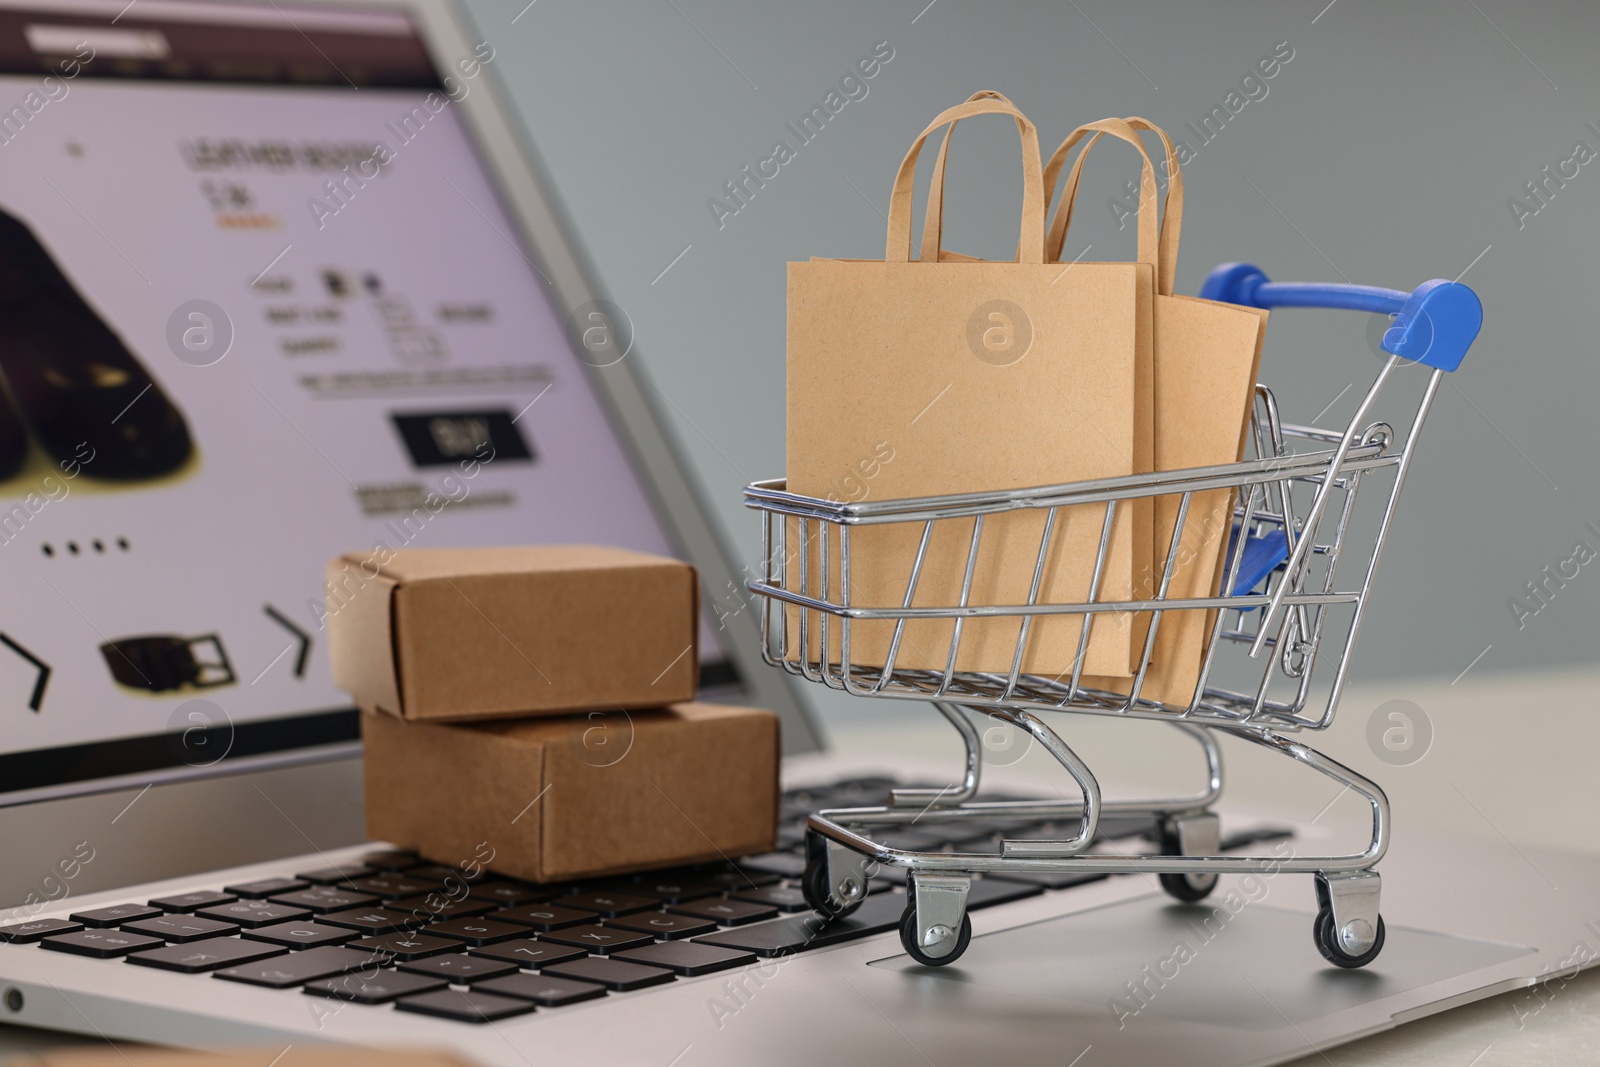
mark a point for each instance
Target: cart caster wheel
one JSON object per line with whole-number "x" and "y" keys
{"x": 1188, "y": 888}
{"x": 908, "y": 939}
{"x": 818, "y": 894}
{"x": 1333, "y": 952}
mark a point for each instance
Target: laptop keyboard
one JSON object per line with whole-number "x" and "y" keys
{"x": 397, "y": 931}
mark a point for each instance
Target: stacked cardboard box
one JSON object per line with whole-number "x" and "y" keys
{"x": 531, "y": 709}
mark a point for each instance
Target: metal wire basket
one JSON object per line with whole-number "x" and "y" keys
{"x": 1281, "y": 630}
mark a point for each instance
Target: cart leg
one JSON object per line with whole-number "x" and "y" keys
{"x": 835, "y": 879}
{"x": 949, "y": 796}
{"x": 935, "y": 928}
{"x": 1349, "y": 931}
{"x": 1208, "y": 743}
{"x": 1090, "y": 818}
{"x": 1193, "y": 834}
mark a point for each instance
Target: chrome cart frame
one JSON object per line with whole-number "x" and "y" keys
{"x": 1293, "y": 504}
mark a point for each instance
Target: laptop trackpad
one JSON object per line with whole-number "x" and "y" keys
{"x": 1197, "y": 962}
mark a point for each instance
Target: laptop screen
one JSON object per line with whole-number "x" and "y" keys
{"x": 259, "y": 305}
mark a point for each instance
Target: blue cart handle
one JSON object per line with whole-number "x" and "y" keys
{"x": 1434, "y": 325}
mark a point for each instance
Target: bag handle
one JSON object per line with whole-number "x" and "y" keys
{"x": 1030, "y": 242}
{"x": 933, "y": 217}
{"x": 1169, "y": 232}
{"x": 1172, "y": 205}
{"x": 1171, "y": 226}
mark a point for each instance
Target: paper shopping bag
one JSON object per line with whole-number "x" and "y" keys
{"x": 911, "y": 378}
{"x": 1206, "y": 359}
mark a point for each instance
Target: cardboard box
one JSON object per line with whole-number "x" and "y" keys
{"x": 472, "y": 633}
{"x": 549, "y": 799}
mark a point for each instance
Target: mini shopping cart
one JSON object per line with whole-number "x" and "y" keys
{"x": 1285, "y": 608}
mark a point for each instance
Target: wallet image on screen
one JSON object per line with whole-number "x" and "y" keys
{"x": 72, "y": 379}
{"x": 159, "y": 663}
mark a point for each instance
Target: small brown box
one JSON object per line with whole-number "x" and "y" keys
{"x": 577, "y": 796}
{"x": 477, "y": 633}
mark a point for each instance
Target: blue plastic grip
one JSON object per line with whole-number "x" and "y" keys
{"x": 1434, "y": 325}
{"x": 1263, "y": 554}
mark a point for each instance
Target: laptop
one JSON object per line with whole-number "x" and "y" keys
{"x": 280, "y": 279}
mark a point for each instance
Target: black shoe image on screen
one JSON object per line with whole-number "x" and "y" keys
{"x": 163, "y": 662}
{"x": 13, "y": 438}
{"x": 73, "y": 378}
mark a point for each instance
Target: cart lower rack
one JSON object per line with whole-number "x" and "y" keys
{"x": 1285, "y": 608}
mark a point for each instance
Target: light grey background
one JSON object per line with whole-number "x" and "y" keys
{"x": 1383, "y": 153}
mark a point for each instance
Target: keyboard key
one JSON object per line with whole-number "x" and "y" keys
{"x": 323, "y": 898}
{"x": 510, "y": 894}
{"x": 180, "y": 929}
{"x": 254, "y": 913}
{"x": 686, "y": 957}
{"x": 477, "y": 931}
{"x": 796, "y": 933}
{"x": 782, "y": 897}
{"x": 600, "y": 939}
{"x": 459, "y": 968}
{"x": 335, "y": 875}
{"x": 544, "y": 916}
{"x": 370, "y": 920}
{"x": 394, "y": 886}
{"x": 726, "y": 912}
{"x": 266, "y": 887}
{"x": 407, "y": 946}
{"x": 101, "y": 944}
{"x": 613, "y": 974}
{"x": 384, "y": 987}
{"x": 297, "y": 968}
{"x": 438, "y": 872}
{"x": 115, "y": 915}
{"x": 432, "y": 907}
{"x": 391, "y": 860}
{"x": 907, "y": 840}
{"x": 200, "y": 898}
{"x": 29, "y": 932}
{"x": 793, "y": 813}
{"x": 528, "y": 952}
{"x": 543, "y": 989}
{"x": 608, "y": 904}
{"x": 776, "y": 864}
{"x": 803, "y": 800}
{"x": 210, "y": 954}
{"x": 464, "y": 1006}
{"x": 302, "y": 934}
{"x": 743, "y": 878}
{"x": 675, "y": 890}
{"x": 856, "y": 792}
{"x": 968, "y": 833}
{"x": 666, "y": 926}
